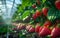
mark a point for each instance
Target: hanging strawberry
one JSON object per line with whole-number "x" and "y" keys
{"x": 47, "y": 23}
{"x": 40, "y": 30}
{"x": 37, "y": 28}
{"x": 38, "y": 13}
{"x": 32, "y": 29}
{"x": 55, "y": 32}
{"x": 45, "y": 11}
{"x": 57, "y": 4}
{"x": 34, "y": 5}
{"x": 45, "y": 31}
{"x": 34, "y": 16}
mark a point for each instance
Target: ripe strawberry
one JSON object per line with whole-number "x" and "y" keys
{"x": 45, "y": 11}
{"x": 40, "y": 29}
{"x": 34, "y": 16}
{"x": 28, "y": 27}
{"x": 37, "y": 28}
{"x": 23, "y": 26}
{"x": 55, "y": 32}
{"x": 45, "y": 31}
{"x": 53, "y": 37}
{"x": 32, "y": 29}
{"x": 19, "y": 27}
{"x": 57, "y": 4}
{"x": 38, "y": 13}
{"x": 47, "y": 23}
{"x": 34, "y": 5}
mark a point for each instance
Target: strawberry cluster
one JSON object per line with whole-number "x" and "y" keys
{"x": 48, "y": 30}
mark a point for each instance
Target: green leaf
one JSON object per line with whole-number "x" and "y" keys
{"x": 43, "y": 1}
{"x": 32, "y": 22}
{"x": 26, "y": 13}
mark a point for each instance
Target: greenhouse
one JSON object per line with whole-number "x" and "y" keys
{"x": 29, "y": 18}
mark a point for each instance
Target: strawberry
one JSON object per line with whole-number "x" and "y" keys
{"x": 34, "y": 16}
{"x": 28, "y": 27}
{"x": 18, "y": 27}
{"x": 57, "y": 4}
{"x": 32, "y": 29}
{"x": 45, "y": 31}
{"x": 38, "y": 13}
{"x": 37, "y": 28}
{"x": 53, "y": 37}
{"x": 23, "y": 26}
{"x": 47, "y": 23}
{"x": 55, "y": 32}
{"x": 45, "y": 11}
{"x": 34, "y": 5}
{"x": 40, "y": 29}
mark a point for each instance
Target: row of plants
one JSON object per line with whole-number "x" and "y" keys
{"x": 44, "y": 12}
{"x": 36, "y": 31}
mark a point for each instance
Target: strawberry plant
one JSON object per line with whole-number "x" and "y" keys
{"x": 44, "y": 12}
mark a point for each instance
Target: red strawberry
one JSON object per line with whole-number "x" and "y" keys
{"x": 34, "y": 5}
{"x": 57, "y": 4}
{"x": 55, "y": 32}
{"x": 40, "y": 29}
{"x": 38, "y": 13}
{"x": 45, "y": 11}
{"x": 45, "y": 31}
{"x": 53, "y": 37}
{"x": 23, "y": 26}
{"x": 34, "y": 16}
{"x": 28, "y": 27}
{"x": 14, "y": 29}
{"x": 32, "y": 29}
{"x": 37, "y": 28}
{"x": 19, "y": 27}
{"x": 47, "y": 23}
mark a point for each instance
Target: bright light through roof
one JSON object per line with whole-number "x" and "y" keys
{"x": 9, "y": 4}
{"x": 0, "y": 2}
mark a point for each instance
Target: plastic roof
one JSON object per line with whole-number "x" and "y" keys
{"x": 9, "y": 5}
